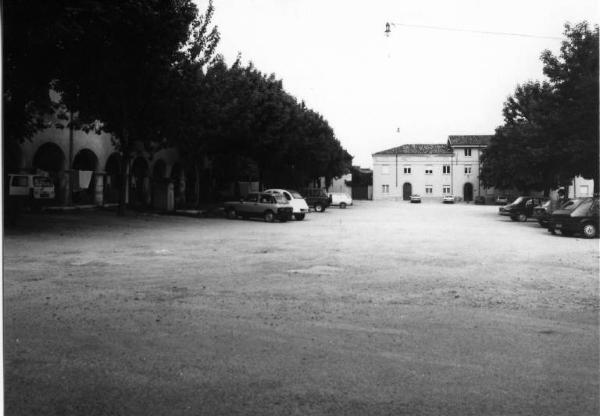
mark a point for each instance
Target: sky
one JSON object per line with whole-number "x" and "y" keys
{"x": 416, "y": 86}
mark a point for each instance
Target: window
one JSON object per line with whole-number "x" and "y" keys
{"x": 385, "y": 170}
{"x": 446, "y": 169}
{"x": 252, "y": 198}
{"x": 429, "y": 189}
{"x": 407, "y": 170}
{"x": 446, "y": 189}
{"x": 428, "y": 170}
{"x": 19, "y": 181}
{"x": 584, "y": 190}
{"x": 385, "y": 189}
{"x": 467, "y": 152}
{"x": 467, "y": 170}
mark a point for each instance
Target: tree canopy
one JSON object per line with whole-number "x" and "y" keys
{"x": 146, "y": 71}
{"x": 550, "y": 130}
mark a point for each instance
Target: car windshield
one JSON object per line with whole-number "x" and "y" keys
{"x": 296, "y": 194}
{"x": 583, "y": 207}
{"x": 42, "y": 181}
{"x": 572, "y": 204}
{"x": 517, "y": 201}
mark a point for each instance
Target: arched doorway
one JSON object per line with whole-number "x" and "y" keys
{"x": 113, "y": 182}
{"x": 159, "y": 170}
{"x": 406, "y": 191}
{"x": 468, "y": 192}
{"x": 138, "y": 183}
{"x": 50, "y": 158}
{"x": 191, "y": 177}
{"x": 178, "y": 180}
{"x": 85, "y": 164}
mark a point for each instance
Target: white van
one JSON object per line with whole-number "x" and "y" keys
{"x": 34, "y": 187}
{"x": 294, "y": 199}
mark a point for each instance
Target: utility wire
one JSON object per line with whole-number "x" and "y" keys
{"x": 524, "y": 35}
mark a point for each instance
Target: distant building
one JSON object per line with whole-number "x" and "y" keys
{"x": 431, "y": 170}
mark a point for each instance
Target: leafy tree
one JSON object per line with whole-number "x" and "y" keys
{"x": 550, "y": 131}
{"x": 124, "y": 67}
{"x": 574, "y": 75}
{"x": 33, "y": 31}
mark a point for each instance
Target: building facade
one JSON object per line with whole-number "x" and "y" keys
{"x": 86, "y": 169}
{"x": 431, "y": 170}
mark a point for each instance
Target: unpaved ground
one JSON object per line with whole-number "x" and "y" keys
{"x": 379, "y": 309}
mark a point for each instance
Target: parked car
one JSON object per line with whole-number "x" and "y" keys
{"x": 31, "y": 190}
{"x": 542, "y": 213}
{"x": 415, "y": 199}
{"x": 263, "y": 205}
{"x": 340, "y": 199}
{"x": 578, "y": 215}
{"x": 521, "y": 208}
{"x": 448, "y": 199}
{"x": 502, "y": 200}
{"x": 299, "y": 205}
{"x": 480, "y": 200}
{"x": 316, "y": 198}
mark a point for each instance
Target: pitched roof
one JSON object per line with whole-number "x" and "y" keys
{"x": 417, "y": 149}
{"x": 474, "y": 140}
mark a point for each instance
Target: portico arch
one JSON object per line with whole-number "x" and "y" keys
{"x": 138, "y": 184}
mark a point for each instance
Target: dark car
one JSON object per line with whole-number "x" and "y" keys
{"x": 267, "y": 206}
{"x": 542, "y": 213}
{"x": 521, "y": 208}
{"x": 316, "y": 198}
{"x": 480, "y": 200}
{"x": 578, "y": 215}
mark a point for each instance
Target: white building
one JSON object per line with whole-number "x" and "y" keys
{"x": 431, "y": 170}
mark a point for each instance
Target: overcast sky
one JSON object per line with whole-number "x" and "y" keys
{"x": 334, "y": 55}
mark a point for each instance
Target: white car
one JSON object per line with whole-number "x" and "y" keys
{"x": 415, "y": 199}
{"x": 299, "y": 205}
{"x": 340, "y": 199}
{"x": 448, "y": 199}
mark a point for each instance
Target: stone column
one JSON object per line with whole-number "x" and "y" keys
{"x": 99, "y": 189}
{"x": 65, "y": 188}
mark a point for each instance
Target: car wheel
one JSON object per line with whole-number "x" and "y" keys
{"x": 299, "y": 217}
{"x": 231, "y": 214}
{"x": 522, "y": 217}
{"x": 269, "y": 216}
{"x": 342, "y": 205}
{"x": 319, "y": 208}
{"x": 589, "y": 230}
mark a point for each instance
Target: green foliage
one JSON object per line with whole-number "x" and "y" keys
{"x": 255, "y": 130}
{"x": 550, "y": 131}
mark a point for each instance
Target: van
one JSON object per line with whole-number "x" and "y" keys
{"x": 32, "y": 187}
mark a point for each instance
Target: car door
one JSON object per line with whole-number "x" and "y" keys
{"x": 19, "y": 185}
{"x": 248, "y": 207}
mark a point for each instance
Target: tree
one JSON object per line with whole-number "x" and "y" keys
{"x": 574, "y": 75}
{"x": 33, "y": 31}
{"x": 550, "y": 131}
{"x": 523, "y": 154}
{"x": 128, "y": 56}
